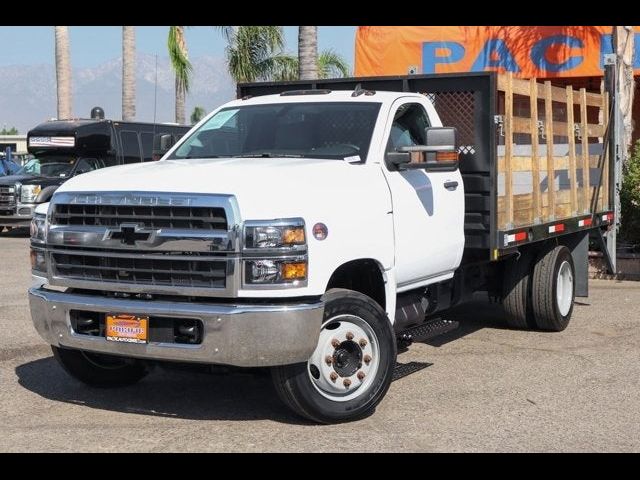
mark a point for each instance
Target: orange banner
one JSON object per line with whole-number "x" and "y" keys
{"x": 542, "y": 52}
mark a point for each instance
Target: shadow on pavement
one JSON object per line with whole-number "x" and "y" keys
{"x": 472, "y": 316}
{"x": 22, "y": 232}
{"x": 166, "y": 393}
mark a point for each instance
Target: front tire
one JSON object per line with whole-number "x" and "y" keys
{"x": 553, "y": 289}
{"x": 351, "y": 369}
{"x": 99, "y": 370}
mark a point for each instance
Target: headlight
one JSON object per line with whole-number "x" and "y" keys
{"x": 266, "y": 271}
{"x": 281, "y": 234}
{"x": 29, "y": 193}
{"x": 38, "y": 228}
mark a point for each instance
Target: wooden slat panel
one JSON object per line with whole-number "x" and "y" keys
{"x": 525, "y": 164}
{"x": 535, "y": 163}
{"x": 572, "y": 152}
{"x": 558, "y": 94}
{"x": 548, "y": 99}
{"x": 523, "y": 125}
{"x": 508, "y": 144}
{"x": 585, "y": 152}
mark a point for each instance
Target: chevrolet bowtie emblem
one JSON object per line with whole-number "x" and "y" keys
{"x": 129, "y": 234}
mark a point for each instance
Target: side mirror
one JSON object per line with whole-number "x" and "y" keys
{"x": 439, "y": 153}
{"x": 162, "y": 143}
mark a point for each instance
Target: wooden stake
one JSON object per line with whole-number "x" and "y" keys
{"x": 573, "y": 172}
{"x": 508, "y": 149}
{"x": 586, "y": 180}
{"x": 535, "y": 160}
{"x": 551, "y": 176}
{"x": 604, "y": 189}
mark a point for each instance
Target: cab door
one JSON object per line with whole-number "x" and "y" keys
{"x": 428, "y": 207}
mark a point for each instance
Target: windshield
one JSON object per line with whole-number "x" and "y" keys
{"x": 49, "y": 166}
{"x": 332, "y": 130}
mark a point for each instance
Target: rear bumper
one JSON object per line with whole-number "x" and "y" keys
{"x": 241, "y": 335}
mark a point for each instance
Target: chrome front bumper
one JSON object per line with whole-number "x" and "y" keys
{"x": 17, "y": 219}
{"x": 241, "y": 335}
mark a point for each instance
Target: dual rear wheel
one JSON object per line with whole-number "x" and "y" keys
{"x": 539, "y": 290}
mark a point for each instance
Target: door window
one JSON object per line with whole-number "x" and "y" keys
{"x": 408, "y": 126}
{"x": 130, "y": 146}
{"x": 86, "y": 165}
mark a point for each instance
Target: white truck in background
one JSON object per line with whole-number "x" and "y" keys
{"x": 308, "y": 230}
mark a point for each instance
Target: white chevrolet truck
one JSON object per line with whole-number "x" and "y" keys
{"x": 310, "y": 228}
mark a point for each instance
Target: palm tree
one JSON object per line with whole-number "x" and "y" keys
{"x": 63, "y": 72}
{"x": 255, "y": 52}
{"x": 307, "y": 53}
{"x": 128, "y": 73}
{"x": 329, "y": 64}
{"x": 182, "y": 68}
{"x": 197, "y": 114}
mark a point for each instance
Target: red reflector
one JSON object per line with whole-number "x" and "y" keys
{"x": 610, "y": 216}
{"x": 521, "y": 236}
{"x": 559, "y": 227}
{"x": 586, "y": 221}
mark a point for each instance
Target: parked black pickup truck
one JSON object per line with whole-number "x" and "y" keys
{"x": 66, "y": 148}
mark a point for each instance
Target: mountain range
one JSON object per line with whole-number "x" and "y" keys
{"x": 28, "y": 92}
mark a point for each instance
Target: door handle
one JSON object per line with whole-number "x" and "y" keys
{"x": 451, "y": 184}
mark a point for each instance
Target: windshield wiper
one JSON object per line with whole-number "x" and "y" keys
{"x": 191, "y": 157}
{"x": 267, "y": 155}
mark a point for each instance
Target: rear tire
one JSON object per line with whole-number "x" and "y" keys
{"x": 553, "y": 289}
{"x": 99, "y": 370}
{"x": 516, "y": 292}
{"x": 346, "y": 377}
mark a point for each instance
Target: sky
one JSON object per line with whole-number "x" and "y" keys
{"x": 91, "y": 46}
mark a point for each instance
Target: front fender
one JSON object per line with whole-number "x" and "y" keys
{"x": 46, "y": 193}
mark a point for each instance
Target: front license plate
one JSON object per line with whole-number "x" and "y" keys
{"x": 123, "y": 327}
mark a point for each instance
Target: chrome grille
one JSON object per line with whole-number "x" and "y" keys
{"x": 154, "y": 242}
{"x": 179, "y": 217}
{"x": 138, "y": 268}
{"x": 7, "y": 197}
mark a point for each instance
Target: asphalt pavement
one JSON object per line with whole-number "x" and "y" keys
{"x": 482, "y": 387}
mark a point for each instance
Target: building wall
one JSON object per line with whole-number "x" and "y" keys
{"x": 20, "y": 141}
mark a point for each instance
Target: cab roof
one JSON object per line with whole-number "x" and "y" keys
{"x": 324, "y": 96}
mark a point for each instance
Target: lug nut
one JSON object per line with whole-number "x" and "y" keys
{"x": 363, "y": 342}
{"x": 367, "y": 359}
{"x": 333, "y": 376}
{"x": 349, "y": 336}
{"x": 335, "y": 343}
{"x": 361, "y": 375}
{"x": 347, "y": 382}
{"x": 328, "y": 359}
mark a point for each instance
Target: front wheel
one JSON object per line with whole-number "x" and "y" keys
{"x": 99, "y": 370}
{"x": 351, "y": 368}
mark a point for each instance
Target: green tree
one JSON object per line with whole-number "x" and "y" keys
{"x": 128, "y": 73}
{"x": 255, "y": 53}
{"x": 197, "y": 115}
{"x": 182, "y": 68}
{"x": 10, "y": 131}
{"x": 329, "y": 65}
{"x": 63, "y": 72}
{"x": 630, "y": 199}
{"x": 307, "y": 53}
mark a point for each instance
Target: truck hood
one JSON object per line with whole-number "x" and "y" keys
{"x": 264, "y": 187}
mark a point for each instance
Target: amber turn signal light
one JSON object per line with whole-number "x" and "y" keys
{"x": 446, "y": 156}
{"x": 294, "y": 271}
{"x": 293, "y": 236}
